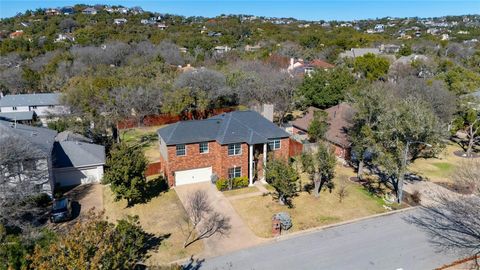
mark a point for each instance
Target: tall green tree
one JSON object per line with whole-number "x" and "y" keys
{"x": 319, "y": 125}
{"x": 408, "y": 130}
{"x": 372, "y": 67}
{"x": 320, "y": 167}
{"x": 468, "y": 122}
{"x": 325, "y": 88}
{"x": 125, "y": 173}
{"x": 283, "y": 178}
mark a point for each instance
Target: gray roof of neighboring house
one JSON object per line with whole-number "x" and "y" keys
{"x": 356, "y": 52}
{"x": 408, "y": 59}
{"x": 234, "y": 127}
{"x": 18, "y": 116}
{"x": 42, "y": 138}
{"x": 68, "y": 135}
{"x": 44, "y": 99}
{"x": 77, "y": 154}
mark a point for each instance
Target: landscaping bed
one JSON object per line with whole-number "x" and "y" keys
{"x": 160, "y": 216}
{"x": 240, "y": 191}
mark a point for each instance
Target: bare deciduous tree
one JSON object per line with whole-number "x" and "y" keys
{"x": 202, "y": 221}
{"x": 468, "y": 174}
{"x": 23, "y": 172}
{"x": 453, "y": 224}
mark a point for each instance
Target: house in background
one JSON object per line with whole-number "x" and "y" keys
{"x": 336, "y": 135}
{"x": 89, "y": 11}
{"x": 229, "y": 145}
{"x": 120, "y": 21}
{"x": 65, "y": 159}
{"x": 300, "y": 67}
{"x": 29, "y": 106}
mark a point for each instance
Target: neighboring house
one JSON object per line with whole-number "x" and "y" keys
{"x": 77, "y": 162}
{"x": 299, "y": 67}
{"x": 161, "y": 26}
{"x": 253, "y": 48}
{"x": 52, "y": 12}
{"x": 41, "y": 141}
{"x": 336, "y": 134}
{"x": 64, "y": 37}
{"x": 27, "y": 117}
{"x": 43, "y": 105}
{"x": 16, "y": 34}
{"x": 67, "y": 10}
{"x": 120, "y": 21}
{"x": 89, "y": 11}
{"x": 67, "y": 158}
{"x": 221, "y": 49}
{"x": 390, "y": 48}
{"x": 224, "y": 146}
{"x": 357, "y": 52}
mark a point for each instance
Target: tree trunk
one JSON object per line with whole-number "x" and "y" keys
{"x": 471, "y": 140}
{"x": 399, "y": 186}
{"x": 360, "y": 170}
{"x": 317, "y": 182}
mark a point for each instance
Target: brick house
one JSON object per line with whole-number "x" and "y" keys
{"x": 338, "y": 121}
{"x": 225, "y": 146}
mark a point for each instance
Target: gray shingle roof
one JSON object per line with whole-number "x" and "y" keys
{"x": 19, "y": 116}
{"x": 42, "y": 138}
{"x": 77, "y": 154}
{"x": 44, "y": 99}
{"x": 235, "y": 127}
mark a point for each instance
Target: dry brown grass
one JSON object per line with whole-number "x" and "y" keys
{"x": 160, "y": 216}
{"x": 134, "y": 136}
{"x": 438, "y": 169}
{"x": 308, "y": 211}
{"x": 240, "y": 191}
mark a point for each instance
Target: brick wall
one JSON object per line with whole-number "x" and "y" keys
{"x": 217, "y": 157}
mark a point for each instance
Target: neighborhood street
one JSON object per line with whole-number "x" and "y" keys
{"x": 382, "y": 243}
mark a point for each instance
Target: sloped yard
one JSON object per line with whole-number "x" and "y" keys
{"x": 308, "y": 211}
{"x": 438, "y": 169}
{"x": 147, "y": 136}
{"x": 160, "y": 216}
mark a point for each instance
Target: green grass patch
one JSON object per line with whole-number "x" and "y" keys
{"x": 444, "y": 166}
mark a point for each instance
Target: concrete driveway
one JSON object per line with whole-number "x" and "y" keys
{"x": 240, "y": 235}
{"x": 387, "y": 242}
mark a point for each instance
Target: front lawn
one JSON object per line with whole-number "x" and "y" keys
{"x": 147, "y": 136}
{"x": 240, "y": 191}
{"x": 308, "y": 211}
{"x": 160, "y": 216}
{"x": 438, "y": 169}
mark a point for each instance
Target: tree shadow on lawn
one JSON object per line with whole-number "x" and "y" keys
{"x": 152, "y": 189}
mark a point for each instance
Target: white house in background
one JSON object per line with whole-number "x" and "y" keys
{"x": 65, "y": 37}
{"x": 221, "y": 49}
{"x": 89, "y": 11}
{"x": 120, "y": 21}
{"x": 44, "y": 106}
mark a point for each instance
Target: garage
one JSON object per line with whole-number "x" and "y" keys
{"x": 193, "y": 176}
{"x": 76, "y": 176}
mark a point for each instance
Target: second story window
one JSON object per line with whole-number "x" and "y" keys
{"x": 234, "y": 149}
{"x": 274, "y": 144}
{"x": 14, "y": 108}
{"x": 181, "y": 150}
{"x": 203, "y": 147}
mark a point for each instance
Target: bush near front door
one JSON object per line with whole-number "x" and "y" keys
{"x": 234, "y": 183}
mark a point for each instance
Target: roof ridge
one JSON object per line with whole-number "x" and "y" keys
{"x": 172, "y": 131}
{"x": 226, "y": 125}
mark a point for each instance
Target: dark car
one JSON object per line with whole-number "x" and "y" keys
{"x": 61, "y": 210}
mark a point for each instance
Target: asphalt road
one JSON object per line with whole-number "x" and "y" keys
{"x": 387, "y": 242}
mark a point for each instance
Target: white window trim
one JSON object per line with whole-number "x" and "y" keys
{"x": 272, "y": 142}
{"x": 200, "y": 149}
{"x": 234, "y": 168}
{"x": 239, "y": 152}
{"x": 185, "y": 150}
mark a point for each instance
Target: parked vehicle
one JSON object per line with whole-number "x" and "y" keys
{"x": 61, "y": 210}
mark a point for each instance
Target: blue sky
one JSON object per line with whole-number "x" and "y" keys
{"x": 300, "y": 9}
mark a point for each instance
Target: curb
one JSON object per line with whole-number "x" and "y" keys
{"x": 321, "y": 228}
{"x": 299, "y": 233}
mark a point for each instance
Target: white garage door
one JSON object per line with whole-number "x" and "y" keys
{"x": 193, "y": 176}
{"x": 73, "y": 176}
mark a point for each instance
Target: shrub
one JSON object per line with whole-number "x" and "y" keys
{"x": 222, "y": 184}
{"x": 240, "y": 182}
{"x": 227, "y": 184}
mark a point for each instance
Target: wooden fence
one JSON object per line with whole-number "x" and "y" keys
{"x": 153, "y": 168}
{"x": 163, "y": 119}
